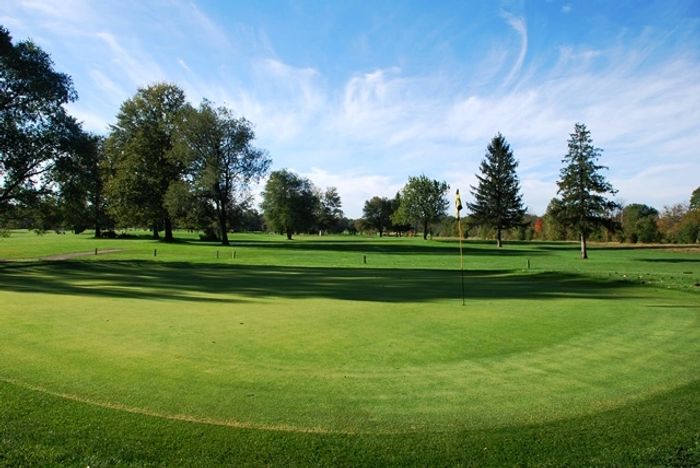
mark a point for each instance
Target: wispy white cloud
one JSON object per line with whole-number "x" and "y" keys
{"x": 519, "y": 25}
{"x": 132, "y": 61}
{"x": 366, "y": 130}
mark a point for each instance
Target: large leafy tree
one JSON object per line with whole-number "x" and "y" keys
{"x": 35, "y": 129}
{"x": 423, "y": 201}
{"x": 377, "y": 213}
{"x": 80, "y": 179}
{"x": 582, "y": 204}
{"x": 639, "y": 223}
{"x": 289, "y": 203}
{"x": 330, "y": 213}
{"x": 498, "y": 202}
{"x": 144, "y": 156}
{"x": 224, "y": 160}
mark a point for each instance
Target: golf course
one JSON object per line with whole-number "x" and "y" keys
{"x": 346, "y": 350}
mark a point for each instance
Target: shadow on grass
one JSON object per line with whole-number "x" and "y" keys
{"x": 399, "y": 247}
{"x": 237, "y": 283}
{"x": 669, "y": 260}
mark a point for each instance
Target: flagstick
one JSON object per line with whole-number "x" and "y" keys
{"x": 461, "y": 257}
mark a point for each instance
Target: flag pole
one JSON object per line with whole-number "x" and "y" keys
{"x": 458, "y": 206}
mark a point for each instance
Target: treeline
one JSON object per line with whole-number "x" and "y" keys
{"x": 168, "y": 164}
{"x": 582, "y": 210}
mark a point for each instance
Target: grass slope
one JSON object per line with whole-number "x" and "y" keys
{"x": 299, "y": 352}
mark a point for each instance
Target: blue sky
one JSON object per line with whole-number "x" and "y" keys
{"x": 361, "y": 95}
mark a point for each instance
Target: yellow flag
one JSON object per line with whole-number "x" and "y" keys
{"x": 458, "y": 203}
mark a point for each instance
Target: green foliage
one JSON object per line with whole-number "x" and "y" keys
{"x": 223, "y": 160}
{"x": 639, "y": 223}
{"x": 376, "y": 214}
{"x": 497, "y": 202}
{"x": 695, "y": 199}
{"x": 81, "y": 179}
{"x": 330, "y": 215}
{"x": 35, "y": 129}
{"x": 289, "y": 203}
{"x": 143, "y": 157}
{"x": 583, "y": 206}
{"x": 422, "y": 201}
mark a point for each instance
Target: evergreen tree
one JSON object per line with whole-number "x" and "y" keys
{"x": 583, "y": 206}
{"x": 497, "y": 199}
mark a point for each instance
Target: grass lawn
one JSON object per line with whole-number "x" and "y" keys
{"x": 347, "y": 350}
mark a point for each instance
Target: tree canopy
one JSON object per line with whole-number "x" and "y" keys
{"x": 582, "y": 205}
{"x": 639, "y": 223}
{"x": 422, "y": 201}
{"x": 145, "y": 158}
{"x": 223, "y": 159}
{"x": 497, "y": 199}
{"x": 377, "y": 213}
{"x": 35, "y": 129}
{"x": 289, "y": 203}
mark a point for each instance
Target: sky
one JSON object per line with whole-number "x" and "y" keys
{"x": 361, "y": 95}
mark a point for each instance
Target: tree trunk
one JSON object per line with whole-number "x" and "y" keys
{"x": 425, "y": 230}
{"x": 155, "y": 231}
{"x": 499, "y": 242}
{"x": 289, "y": 234}
{"x": 380, "y": 233}
{"x": 584, "y": 251}
{"x": 222, "y": 226}
{"x": 168, "y": 229}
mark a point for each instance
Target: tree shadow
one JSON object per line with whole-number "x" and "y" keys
{"x": 441, "y": 247}
{"x": 186, "y": 281}
{"x": 669, "y": 260}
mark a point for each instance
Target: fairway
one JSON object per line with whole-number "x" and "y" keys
{"x": 305, "y": 338}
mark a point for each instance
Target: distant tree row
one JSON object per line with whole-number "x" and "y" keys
{"x": 292, "y": 204}
{"x": 163, "y": 163}
{"x": 582, "y": 206}
{"x": 167, "y": 164}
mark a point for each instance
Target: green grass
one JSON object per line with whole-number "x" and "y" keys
{"x": 299, "y": 352}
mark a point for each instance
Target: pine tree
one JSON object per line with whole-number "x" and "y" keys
{"x": 583, "y": 206}
{"x": 497, "y": 199}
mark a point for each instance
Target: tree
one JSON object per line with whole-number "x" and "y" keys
{"x": 289, "y": 203}
{"x": 224, "y": 161}
{"x": 144, "y": 157}
{"x": 377, "y": 214}
{"x": 330, "y": 213}
{"x": 583, "y": 206}
{"x": 671, "y": 221}
{"x": 423, "y": 201}
{"x": 35, "y": 128}
{"x": 639, "y": 223}
{"x": 497, "y": 199}
{"x": 80, "y": 178}
{"x": 695, "y": 199}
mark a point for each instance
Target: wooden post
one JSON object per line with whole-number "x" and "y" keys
{"x": 364, "y": 259}
{"x": 155, "y": 252}
{"x": 95, "y": 250}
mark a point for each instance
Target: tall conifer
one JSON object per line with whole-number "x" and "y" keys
{"x": 497, "y": 199}
{"x": 582, "y": 205}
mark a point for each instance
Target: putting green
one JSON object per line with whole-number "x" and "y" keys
{"x": 342, "y": 350}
